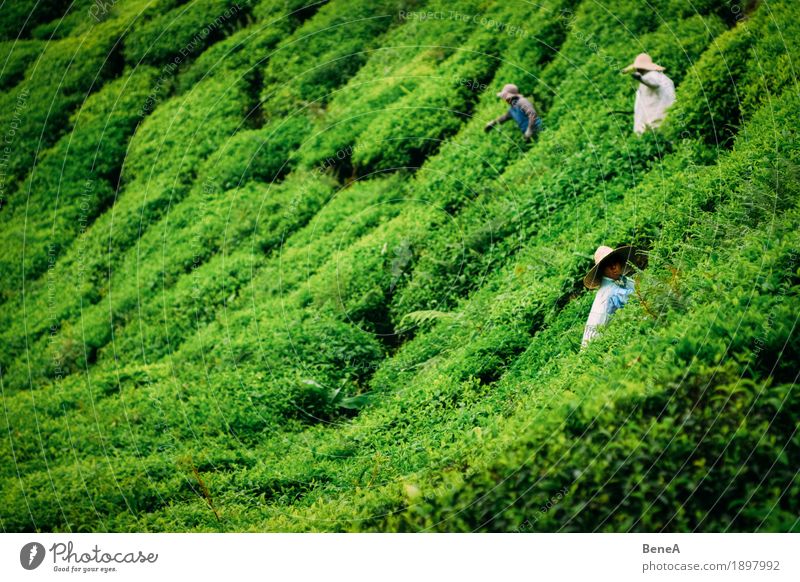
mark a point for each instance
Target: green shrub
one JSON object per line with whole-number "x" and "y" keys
{"x": 184, "y": 31}
{"x": 264, "y": 154}
{"x": 73, "y": 182}
{"x": 17, "y": 56}
{"x": 411, "y": 129}
{"x": 18, "y": 18}
{"x": 393, "y": 71}
{"x": 708, "y": 102}
{"x": 771, "y": 30}
{"x": 247, "y": 48}
{"x": 334, "y": 45}
{"x": 36, "y": 111}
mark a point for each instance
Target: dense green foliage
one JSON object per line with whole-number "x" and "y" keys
{"x": 263, "y": 270}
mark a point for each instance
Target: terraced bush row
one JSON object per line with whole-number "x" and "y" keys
{"x": 312, "y": 63}
{"x": 17, "y": 55}
{"x": 35, "y": 112}
{"x": 161, "y": 169}
{"x": 189, "y": 27}
{"x": 411, "y": 55}
{"x": 158, "y": 171}
{"x": 73, "y": 182}
{"x": 139, "y": 106}
{"x": 21, "y": 17}
{"x": 59, "y": 74}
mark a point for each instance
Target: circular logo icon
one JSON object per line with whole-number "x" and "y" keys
{"x": 31, "y": 555}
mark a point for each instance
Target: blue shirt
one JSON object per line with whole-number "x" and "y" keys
{"x": 521, "y": 111}
{"x": 611, "y": 296}
{"x": 518, "y": 115}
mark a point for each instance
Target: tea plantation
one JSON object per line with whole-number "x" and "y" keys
{"x": 262, "y": 269}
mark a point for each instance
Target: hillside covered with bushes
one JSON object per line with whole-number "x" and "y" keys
{"x": 262, "y": 269}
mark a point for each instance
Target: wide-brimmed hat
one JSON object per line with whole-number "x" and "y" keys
{"x": 509, "y": 90}
{"x": 643, "y": 61}
{"x": 601, "y": 257}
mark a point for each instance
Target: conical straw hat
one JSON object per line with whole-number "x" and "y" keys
{"x": 643, "y": 61}
{"x": 601, "y": 255}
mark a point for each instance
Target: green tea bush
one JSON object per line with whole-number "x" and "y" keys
{"x": 155, "y": 174}
{"x": 412, "y": 128}
{"x": 241, "y": 230}
{"x": 36, "y": 111}
{"x": 80, "y": 171}
{"x": 20, "y": 17}
{"x": 265, "y": 153}
{"x": 188, "y": 28}
{"x": 393, "y": 70}
{"x": 769, "y": 70}
{"x": 334, "y": 45}
{"x": 17, "y": 56}
{"x": 709, "y": 103}
{"x": 252, "y": 45}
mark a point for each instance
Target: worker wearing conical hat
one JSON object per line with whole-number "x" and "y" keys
{"x": 655, "y": 94}
{"x": 609, "y": 277}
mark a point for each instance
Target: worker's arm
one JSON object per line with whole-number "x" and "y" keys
{"x": 502, "y": 119}
{"x": 650, "y": 83}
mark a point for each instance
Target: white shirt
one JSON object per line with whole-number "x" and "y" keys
{"x": 611, "y": 295}
{"x": 652, "y": 102}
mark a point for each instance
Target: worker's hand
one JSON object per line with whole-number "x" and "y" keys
{"x": 637, "y": 76}
{"x": 488, "y": 126}
{"x": 527, "y": 136}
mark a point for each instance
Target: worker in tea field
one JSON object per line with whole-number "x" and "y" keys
{"x": 521, "y": 111}
{"x": 655, "y": 94}
{"x": 614, "y": 287}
